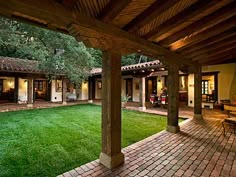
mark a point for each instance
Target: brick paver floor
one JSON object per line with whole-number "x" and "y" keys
{"x": 200, "y": 149}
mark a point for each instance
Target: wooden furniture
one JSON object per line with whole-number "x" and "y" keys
{"x": 231, "y": 110}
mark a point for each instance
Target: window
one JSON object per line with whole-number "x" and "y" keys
{"x": 38, "y": 85}
{"x": 205, "y": 86}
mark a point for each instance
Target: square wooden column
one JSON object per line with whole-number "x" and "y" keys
{"x": 142, "y": 89}
{"x": 91, "y": 89}
{"x": 16, "y": 89}
{"x": 173, "y": 98}
{"x": 198, "y": 92}
{"x": 30, "y": 93}
{"x": 64, "y": 88}
{"x": 111, "y": 155}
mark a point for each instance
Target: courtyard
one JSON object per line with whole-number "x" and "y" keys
{"x": 50, "y": 141}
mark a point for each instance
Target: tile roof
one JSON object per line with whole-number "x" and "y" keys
{"x": 18, "y": 65}
{"x": 139, "y": 66}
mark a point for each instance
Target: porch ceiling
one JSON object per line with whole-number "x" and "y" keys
{"x": 183, "y": 31}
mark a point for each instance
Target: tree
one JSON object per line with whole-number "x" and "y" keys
{"x": 57, "y": 52}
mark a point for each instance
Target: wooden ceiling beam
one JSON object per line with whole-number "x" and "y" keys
{"x": 112, "y": 10}
{"x": 216, "y": 47}
{"x": 186, "y": 15}
{"x": 220, "y": 59}
{"x": 222, "y": 53}
{"x": 51, "y": 13}
{"x": 149, "y": 14}
{"x": 215, "y": 51}
{"x": 207, "y": 22}
{"x": 209, "y": 41}
{"x": 213, "y": 31}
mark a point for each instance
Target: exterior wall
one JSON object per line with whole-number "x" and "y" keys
{"x": 56, "y": 96}
{"x": 83, "y": 92}
{"x": 22, "y": 91}
{"x": 135, "y": 91}
{"x": 8, "y": 83}
{"x": 98, "y": 91}
{"x": 225, "y": 78}
{"x": 160, "y": 85}
{"x": 226, "y": 85}
{"x": 191, "y": 90}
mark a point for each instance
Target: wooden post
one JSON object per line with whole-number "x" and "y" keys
{"x": 142, "y": 89}
{"x": 64, "y": 88}
{"x": 91, "y": 89}
{"x": 111, "y": 155}
{"x": 198, "y": 92}
{"x": 16, "y": 89}
{"x": 30, "y": 93}
{"x": 173, "y": 98}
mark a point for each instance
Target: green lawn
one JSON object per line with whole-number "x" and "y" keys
{"x": 48, "y": 142}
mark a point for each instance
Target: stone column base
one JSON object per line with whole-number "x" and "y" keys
{"x": 30, "y": 105}
{"x": 142, "y": 108}
{"x": 90, "y": 101}
{"x": 64, "y": 103}
{"x": 111, "y": 162}
{"x": 173, "y": 129}
{"x": 197, "y": 116}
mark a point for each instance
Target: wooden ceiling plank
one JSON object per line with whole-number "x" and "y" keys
{"x": 149, "y": 14}
{"x": 209, "y": 41}
{"x": 112, "y": 10}
{"x": 208, "y": 21}
{"x": 185, "y": 15}
{"x": 215, "y": 30}
{"x": 217, "y": 46}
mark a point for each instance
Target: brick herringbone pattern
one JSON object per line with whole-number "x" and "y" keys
{"x": 200, "y": 149}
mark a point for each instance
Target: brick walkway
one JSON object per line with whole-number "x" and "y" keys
{"x": 200, "y": 149}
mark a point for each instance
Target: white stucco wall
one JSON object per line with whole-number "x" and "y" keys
{"x": 22, "y": 92}
{"x": 55, "y": 96}
{"x": 191, "y": 90}
{"x": 83, "y": 91}
{"x": 135, "y": 91}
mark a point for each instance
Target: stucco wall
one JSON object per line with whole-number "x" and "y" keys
{"x": 83, "y": 91}
{"x": 226, "y": 86}
{"x": 135, "y": 91}
{"x": 22, "y": 92}
{"x": 98, "y": 91}
{"x": 56, "y": 96}
{"x": 8, "y": 83}
{"x": 225, "y": 78}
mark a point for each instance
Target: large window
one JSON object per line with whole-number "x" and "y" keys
{"x": 205, "y": 87}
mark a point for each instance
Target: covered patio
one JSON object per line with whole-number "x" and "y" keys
{"x": 200, "y": 149}
{"x": 184, "y": 35}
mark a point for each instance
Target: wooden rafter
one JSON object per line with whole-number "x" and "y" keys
{"x": 210, "y": 41}
{"x": 185, "y": 15}
{"x": 215, "y": 52}
{"x": 91, "y": 28}
{"x": 216, "y": 47}
{"x": 113, "y": 9}
{"x": 149, "y": 14}
{"x": 205, "y": 23}
{"x": 217, "y": 29}
{"x": 218, "y": 59}
{"x": 221, "y": 53}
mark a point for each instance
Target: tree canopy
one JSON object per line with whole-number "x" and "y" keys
{"x": 57, "y": 52}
